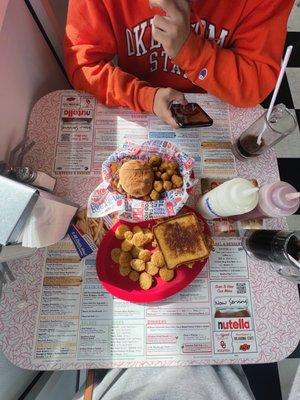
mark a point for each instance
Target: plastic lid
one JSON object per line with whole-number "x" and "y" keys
{"x": 280, "y": 198}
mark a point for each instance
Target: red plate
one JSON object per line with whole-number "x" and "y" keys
{"x": 122, "y": 287}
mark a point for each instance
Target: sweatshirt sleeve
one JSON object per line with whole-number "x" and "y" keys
{"x": 245, "y": 73}
{"x": 90, "y": 46}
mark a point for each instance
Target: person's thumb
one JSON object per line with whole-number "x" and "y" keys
{"x": 175, "y": 95}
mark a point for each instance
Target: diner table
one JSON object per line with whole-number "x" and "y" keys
{"x": 274, "y": 300}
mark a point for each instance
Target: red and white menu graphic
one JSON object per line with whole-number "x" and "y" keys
{"x": 80, "y": 321}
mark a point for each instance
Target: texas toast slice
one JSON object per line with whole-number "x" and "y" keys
{"x": 181, "y": 240}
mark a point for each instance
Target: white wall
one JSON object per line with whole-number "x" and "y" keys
{"x": 28, "y": 71}
{"x": 3, "y": 6}
{"x": 52, "y": 14}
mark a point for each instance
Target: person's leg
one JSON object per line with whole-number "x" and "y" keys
{"x": 175, "y": 383}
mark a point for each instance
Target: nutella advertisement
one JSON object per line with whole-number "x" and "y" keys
{"x": 233, "y": 326}
{"x": 75, "y": 135}
{"x": 76, "y": 119}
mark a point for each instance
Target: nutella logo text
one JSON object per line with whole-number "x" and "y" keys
{"x": 77, "y": 113}
{"x": 230, "y": 325}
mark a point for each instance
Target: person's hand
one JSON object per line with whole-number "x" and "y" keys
{"x": 173, "y": 29}
{"x": 163, "y": 100}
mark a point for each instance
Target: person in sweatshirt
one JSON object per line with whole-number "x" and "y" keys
{"x": 229, "y": 48}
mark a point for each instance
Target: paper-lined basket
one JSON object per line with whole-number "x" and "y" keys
{"x": 104, "y": 201}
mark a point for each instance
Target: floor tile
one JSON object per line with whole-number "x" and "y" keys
{"x": 284, "y": 95}
{"x": 289, "y": 171}
{"x": 293, "y": 75}
{"x": 290, "y": 146}
{"x": 294, "y": 19}
{"x": 263, "y": 378}
{"x": 293, "y": 39}
{"x": 293, "y": 222}
{"x": 287, "y": 370}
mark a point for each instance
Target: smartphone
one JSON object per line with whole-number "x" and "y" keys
{"x": 190, "y": 115}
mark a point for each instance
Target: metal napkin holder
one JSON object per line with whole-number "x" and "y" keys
{"x": 17, "y": 201}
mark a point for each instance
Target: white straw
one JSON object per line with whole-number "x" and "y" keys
{"x": 278, "y": 83}
{"x": 249, "y": 191}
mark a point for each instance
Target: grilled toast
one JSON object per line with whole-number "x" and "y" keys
{"x": 181, "y": 240}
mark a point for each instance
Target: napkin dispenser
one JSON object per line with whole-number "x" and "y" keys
{"x": 26, "y": 211}
{"x": 16, "y": 203}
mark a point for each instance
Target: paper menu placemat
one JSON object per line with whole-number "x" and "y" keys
{"x": 212, "y": 318}
{"x": 276, "y": 316}
{"x": 111, "y": 331}
{"x": 88, "y": 132}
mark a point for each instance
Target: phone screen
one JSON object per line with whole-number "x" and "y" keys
{"x": 190, "y": 115}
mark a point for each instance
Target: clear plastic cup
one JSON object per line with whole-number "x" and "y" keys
{"x": 280, "y": 124}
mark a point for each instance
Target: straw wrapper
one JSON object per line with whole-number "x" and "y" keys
{"x": 104, "y": 201}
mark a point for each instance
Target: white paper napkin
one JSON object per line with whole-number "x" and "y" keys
{"x": 48, "y": 223}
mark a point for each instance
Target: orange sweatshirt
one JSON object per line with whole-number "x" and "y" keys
{"x": 233, "y": 50}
